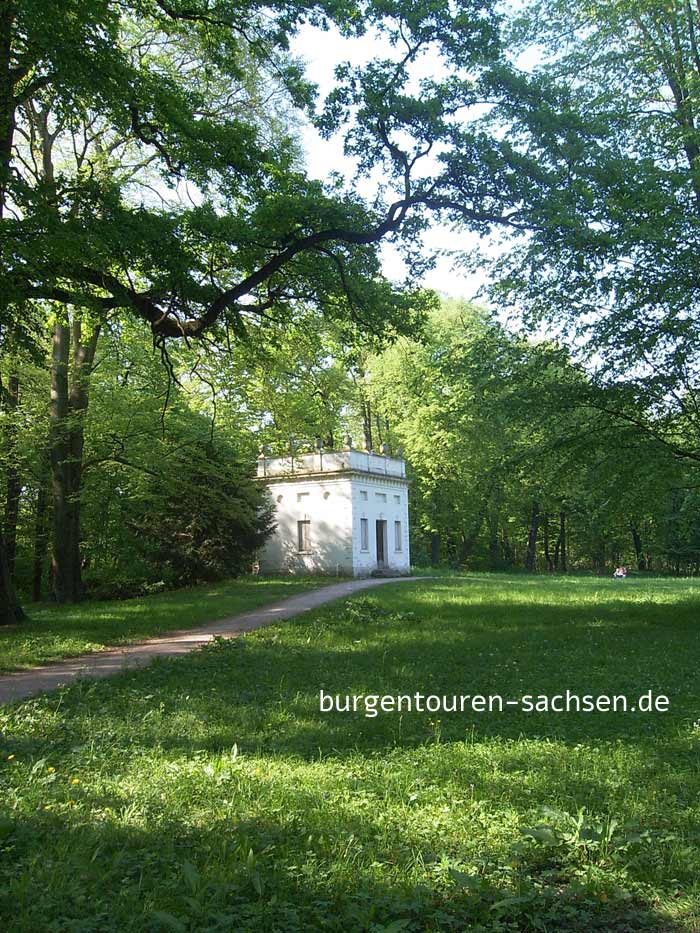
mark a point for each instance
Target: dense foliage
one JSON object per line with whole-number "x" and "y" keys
{"x": 209, "y": 520}
{"x": 520, "y": 460}
{"x": 613, "y": 249}
{"x": 517, "y": 458}
{"x": 143, "y": 167}
{"x": 167, "y": 494}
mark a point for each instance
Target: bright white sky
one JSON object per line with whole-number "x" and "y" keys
{"x": 322, "y": 51}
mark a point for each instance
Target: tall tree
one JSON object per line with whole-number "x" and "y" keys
{"x": 613, "y": 256}
{"x": 466, "y": 405}
{"x": 500, "y": 434}
{"x": 214, "y": 225}
{"x": 70, "y": 375}
{"x": 10, "y": 397}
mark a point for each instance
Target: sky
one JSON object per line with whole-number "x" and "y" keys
{"x": 322, "y": 51}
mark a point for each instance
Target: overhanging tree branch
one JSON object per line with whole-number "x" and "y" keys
{"x": 165, "y": 323}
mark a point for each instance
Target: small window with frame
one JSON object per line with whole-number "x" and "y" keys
{"x": 303, "y": 536}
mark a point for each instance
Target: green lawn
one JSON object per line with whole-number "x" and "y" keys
{"x": 209, "y": 792}
{"x": 55, "y": 632}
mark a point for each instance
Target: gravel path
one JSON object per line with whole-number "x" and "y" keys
{"x": 115, "y": 660}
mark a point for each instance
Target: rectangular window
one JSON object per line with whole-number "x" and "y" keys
{"x": 397, "y": 536}
{"x": 381, "y": 496}
{"x": 304, "y": 535}
{"x": 364, "y": 534}
{"x": 397, "y": 500}
{"x": 363, "y": 494}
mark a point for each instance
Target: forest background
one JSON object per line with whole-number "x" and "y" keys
{"x": 178, "y": 291}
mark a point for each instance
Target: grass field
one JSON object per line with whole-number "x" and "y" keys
{"x": 209, "y": 793}
{"x": 54, "y": 632}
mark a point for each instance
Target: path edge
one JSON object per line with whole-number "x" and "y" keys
{"x": 97, "y": 665}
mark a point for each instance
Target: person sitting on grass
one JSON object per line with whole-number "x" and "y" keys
{"x": 620, "y": 573}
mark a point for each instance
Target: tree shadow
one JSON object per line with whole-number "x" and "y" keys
{"x": 228, "y": 874}
{"x": 260, "y": 695}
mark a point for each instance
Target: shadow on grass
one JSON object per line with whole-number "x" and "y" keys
{"x": 276, "y": 680}
{"x": 261, "y": 695}
{"x": 229, "y": 875}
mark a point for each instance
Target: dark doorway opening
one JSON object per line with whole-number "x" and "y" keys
{"x": 381, "y": 543}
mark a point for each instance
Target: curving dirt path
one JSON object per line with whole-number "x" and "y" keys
{"x": 128, "y": 657}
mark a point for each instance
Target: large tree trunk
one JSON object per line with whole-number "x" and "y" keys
{"x": 531, "y": 553}
{"x": 69, "y": 402}
{"x": 41, "y": 539}
{"x": 10, "y": 610}
{"x": 84, "y": 348}
{"x": 64, "y": 588}
{"x": 14, "y": 487}
{"x": 545, "y": 542}
{"x": 562, "y": 544}
{"x": 637, "y": 541}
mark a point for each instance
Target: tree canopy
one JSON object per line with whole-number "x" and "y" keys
{"x": 210, "y": 221}
{"x": 614, "y": 256}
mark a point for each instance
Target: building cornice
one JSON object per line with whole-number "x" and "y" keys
{"x": 332, "y": 461}
{"x": 333, "y": 477}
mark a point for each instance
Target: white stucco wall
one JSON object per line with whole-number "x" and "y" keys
{"x": 335, "y": 506}
{"x": 327, "y": 505}
{"x": 380, "y": 503}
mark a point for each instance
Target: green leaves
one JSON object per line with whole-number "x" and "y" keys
{"x": 166, "y": 104}
{"x": 615, "y": 239}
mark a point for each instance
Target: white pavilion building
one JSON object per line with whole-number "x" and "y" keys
{"x": 337, "y": 512}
